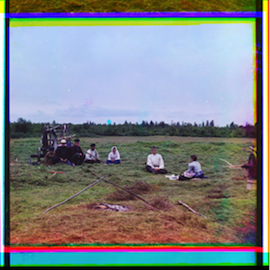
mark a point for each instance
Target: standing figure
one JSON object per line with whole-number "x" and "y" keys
{"x": 251, "y": 166}
{"x": 155, "y": 162}
{"x": 114, "y": 156}
{"x": 76, "y": 153}
{"x": 91, "y": 155}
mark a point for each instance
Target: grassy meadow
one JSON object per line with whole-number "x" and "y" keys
{"x": 18, "y": 6}
{"x": 223, "y": 198}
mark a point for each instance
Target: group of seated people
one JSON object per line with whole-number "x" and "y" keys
{"x": 155, "y": 165}
{"x": 73, "y": 155}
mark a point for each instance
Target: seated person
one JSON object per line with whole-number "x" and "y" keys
{"x": 114, "y": 156}
{"x": 49, "y": 157}
{"x": 63, "y": 153}
{"x": 76, "y": 153}
{"x": 155, "y": 162}
{"x": 251, "y": 166}
{"x": 91, "y": 155}
{"x": 194, "y": 170}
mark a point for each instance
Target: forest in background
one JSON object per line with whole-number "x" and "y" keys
{"x": 23, "y": 128}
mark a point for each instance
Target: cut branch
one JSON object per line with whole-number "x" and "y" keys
{"x": 230, "y": 165}
{"x": 226, "y": 161}
{"x": 52, "y": 175}
{"x": 74, "y": 195}
{"x": 191, "y": 209}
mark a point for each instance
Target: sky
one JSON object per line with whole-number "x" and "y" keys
{"x": 189, "y": 73}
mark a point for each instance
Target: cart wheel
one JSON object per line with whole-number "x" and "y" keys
{"x": 38, "y": 154}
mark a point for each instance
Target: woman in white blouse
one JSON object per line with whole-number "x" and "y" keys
{"x": 114, "y": 156}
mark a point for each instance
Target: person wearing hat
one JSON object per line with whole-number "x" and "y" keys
{"x": 251, "y": 166}
{"x": 92, "y": 155}
{"x": 49, "y": 157}
{"x": 76, "y": 153}
{"x": 63, "y": 153}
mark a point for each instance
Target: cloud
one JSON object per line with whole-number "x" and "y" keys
{"x": 158, "y": 73}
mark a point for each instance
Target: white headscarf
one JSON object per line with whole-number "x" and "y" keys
{"x": 115, "y": 155}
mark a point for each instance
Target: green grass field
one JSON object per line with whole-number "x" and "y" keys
{"x": 17, "y": 6}
{"x": 223, "y": 198}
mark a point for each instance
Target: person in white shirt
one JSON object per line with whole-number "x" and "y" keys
{"x": 91, "y": 155}
{"x": 114, "y": 156}
{"x": 155, "y": 162}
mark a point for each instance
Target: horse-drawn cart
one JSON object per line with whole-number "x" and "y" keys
{"x": 51, "y": 136}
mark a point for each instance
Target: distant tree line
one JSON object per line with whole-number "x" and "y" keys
{"x": 23, "y": 129}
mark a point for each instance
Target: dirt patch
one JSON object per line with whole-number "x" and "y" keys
{"x": 217, "y": 196}
{"x": 121, "y": 195}
{"x": 218, "y": 192}
{"x": 246, "y": 230}
{"x": 142, "y": 187}
{"x": 90, "y": 205}
{"x": 138, "y": 188}
{"x": 161, "y": 203}
{"x": 238, "y": 178}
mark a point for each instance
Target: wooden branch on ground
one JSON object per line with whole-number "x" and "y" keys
{"x": 74, "y": 195}
{"x": 52, "y": 175}
{"x": 107, "y": 181}
{"x": 191, "y": 209}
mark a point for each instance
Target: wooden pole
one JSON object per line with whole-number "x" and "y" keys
{"x": 52, "y": 176}
{"x": 67, "y": 137}
{"x": 74, "y": 195}
{"x": 191, "y": 209}
{"x": 128, "y": 192}
{"x": 230, "y": 165}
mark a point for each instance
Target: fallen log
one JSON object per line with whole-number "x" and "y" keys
{"x": 74, "y": 195}
{"x": 129, "y": 192}
{"x": 191, "y": 209}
